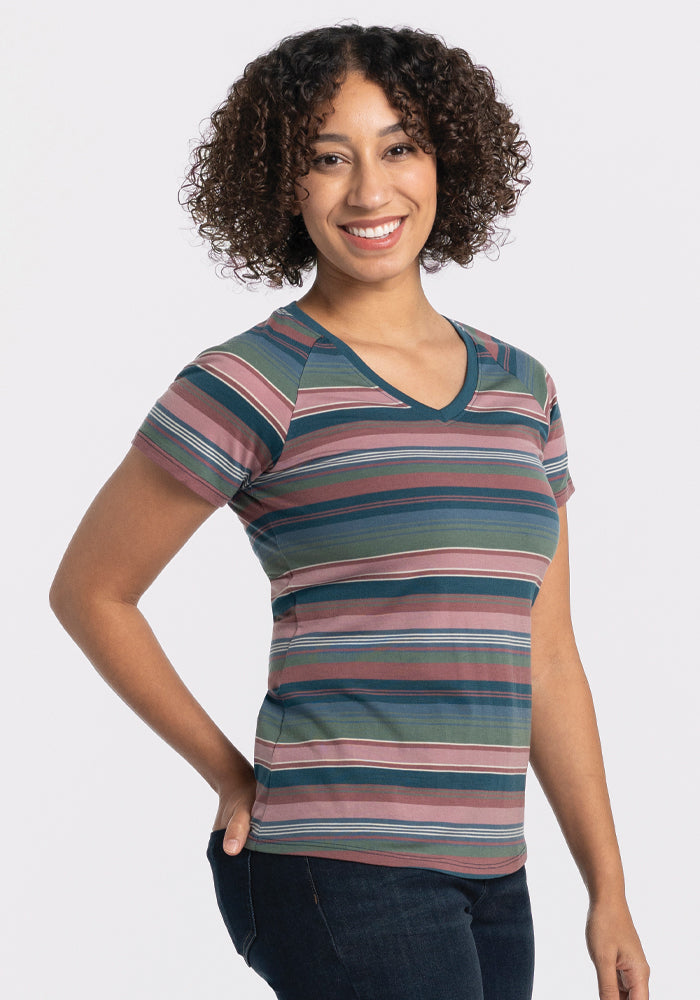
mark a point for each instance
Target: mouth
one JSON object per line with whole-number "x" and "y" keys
{"x": 374, "y": 235}
{"x": 378, "y": 231}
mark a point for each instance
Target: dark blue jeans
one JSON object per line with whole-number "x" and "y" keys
{"x": 320, "y": 929}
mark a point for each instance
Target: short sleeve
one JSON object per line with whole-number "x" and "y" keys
{"x": 218, "y": 426}
{"x": 555, "y": 457}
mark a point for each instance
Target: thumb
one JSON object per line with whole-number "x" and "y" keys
{"x": 608, "y": 983}
{"x": 237, "y": 831}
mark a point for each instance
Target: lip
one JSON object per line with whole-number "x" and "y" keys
{"x": 367, "y": 244}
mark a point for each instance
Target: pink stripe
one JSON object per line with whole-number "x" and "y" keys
{"x": 407, "y": 755}
{"x": 366, "y": 437}
{"x": 282, "y": 323}
{"x": 251, "y": 385}
{"x": 322, "y": 400}
{"x": 244, "y": 447}
{"x": 413, "y": 618}
{"x": 392, "y": 811}
{"x": 193, "y": 416}
{"x": 513, "y": 402}
{"x": 407, "y": 565}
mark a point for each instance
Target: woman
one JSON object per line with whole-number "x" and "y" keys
{"x": 402, "y": 478}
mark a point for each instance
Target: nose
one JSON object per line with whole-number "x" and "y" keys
{"x": 369, "y": 185}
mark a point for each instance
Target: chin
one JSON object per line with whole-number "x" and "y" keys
{"x": 374, "y": 270}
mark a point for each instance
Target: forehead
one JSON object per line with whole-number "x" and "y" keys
{"x": 360, "y": 104}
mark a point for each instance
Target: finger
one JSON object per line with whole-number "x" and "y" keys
{"x": 236, "y": 832}
{"x": 633, "y": 985}
{"x": 608, "y": 982}
{"x": 611, "y": 992}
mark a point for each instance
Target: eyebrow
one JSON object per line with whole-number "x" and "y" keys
{"x": 336, "y": 137}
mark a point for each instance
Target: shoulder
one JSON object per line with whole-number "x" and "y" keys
{"x": 506, "y": 367}
{"x": 273, "y": 351}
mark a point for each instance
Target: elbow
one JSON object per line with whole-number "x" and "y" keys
{"x": 78, "y": 599}
{"x": 63, "y": 597}
{"x": 71, "y": 596}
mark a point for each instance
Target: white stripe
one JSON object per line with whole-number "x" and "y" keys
{"x": 406, "y": 639}
{"x": 378, "y": 765}
{"x": 381, "y": 455}
{"x": 417, "y": 829}
{"x": 200, "y": 445}
{"x": 410, "y": 553}
{"x": 556, "y": 464}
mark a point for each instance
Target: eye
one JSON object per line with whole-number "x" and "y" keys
{"x": 326, "y": 160}
{"x": 403, "y": 149}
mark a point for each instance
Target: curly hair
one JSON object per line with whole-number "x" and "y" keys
{"x": 240, "y": 186}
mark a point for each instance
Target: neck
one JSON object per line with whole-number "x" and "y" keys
{"x": 382, "y": 310}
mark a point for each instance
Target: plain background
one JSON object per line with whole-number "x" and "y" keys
{"x": 106, "y": 890}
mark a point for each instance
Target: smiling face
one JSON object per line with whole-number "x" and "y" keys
{"x": 372, "y": 190}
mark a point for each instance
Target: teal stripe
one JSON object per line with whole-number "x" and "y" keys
{"x": 405, "y": 545}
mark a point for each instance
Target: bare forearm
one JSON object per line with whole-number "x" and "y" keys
{"x": 567, "y": 759}
{"x": 118, "y": 641}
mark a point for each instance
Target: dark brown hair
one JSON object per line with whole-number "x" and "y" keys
{"x": 240, "y": 187}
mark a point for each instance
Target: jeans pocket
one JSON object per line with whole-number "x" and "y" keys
{"x": 232, "y": 886}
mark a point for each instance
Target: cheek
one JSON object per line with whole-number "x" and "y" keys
{"x": 432, "y": 189}
{"x": 424, "y": 184}
{"x": 315, "y": 208}
{"x": 429, "y": 201}
{"x": 310, "y": 218}
{"x": 309, "y": 195}
{"x": 431, "y": 185}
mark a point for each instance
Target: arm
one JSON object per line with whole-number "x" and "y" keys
{"x": 133, "y": 528}
{"x": 567, "y": 759}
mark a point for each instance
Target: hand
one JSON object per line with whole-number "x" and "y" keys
{"x": 235, "y": 807}
{"x": 613, "y": 944}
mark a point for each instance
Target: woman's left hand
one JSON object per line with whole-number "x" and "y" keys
{"x": 614, "y": 946}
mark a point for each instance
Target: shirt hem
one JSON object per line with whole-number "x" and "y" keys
{"x": 489, "y": 868}
{"x": 564, "y": 494}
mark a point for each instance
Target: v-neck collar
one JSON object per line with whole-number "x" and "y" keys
{"x": 453, "y": 409}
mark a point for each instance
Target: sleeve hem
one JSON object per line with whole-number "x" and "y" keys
{"x": 564, "y": 494}
{"x": 161, "y": 458}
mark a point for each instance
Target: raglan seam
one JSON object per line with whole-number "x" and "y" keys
{"x": 293, "y": 404}
{"x": 562, "y": 495}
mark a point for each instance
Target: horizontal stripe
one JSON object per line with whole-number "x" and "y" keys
{"x": 405, "y": 546}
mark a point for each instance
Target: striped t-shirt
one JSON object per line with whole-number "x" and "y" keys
{"x": 405, "y": 546}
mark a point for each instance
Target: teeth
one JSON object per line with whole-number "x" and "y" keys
{"x": 376, "y": 232}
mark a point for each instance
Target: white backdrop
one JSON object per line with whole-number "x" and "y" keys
{"x": 106, "y": 889}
